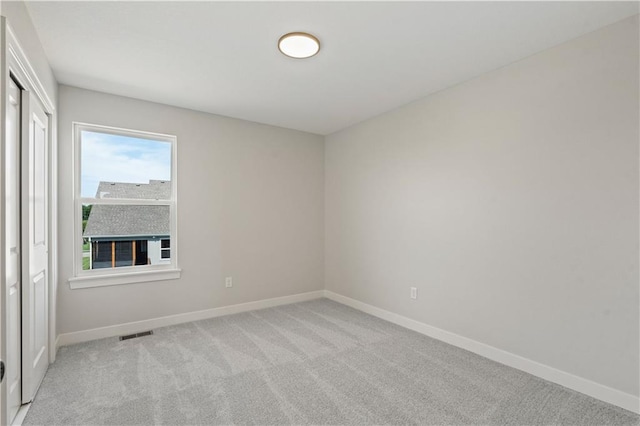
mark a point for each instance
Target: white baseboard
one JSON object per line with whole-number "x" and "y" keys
{"x": 138, "y": 326}
{"x": 579, "y": 384}
{"x": 55, "y": 352}
{"x": 21, "y": 415}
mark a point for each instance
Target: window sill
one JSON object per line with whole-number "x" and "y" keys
{"x": 123, "y": 278}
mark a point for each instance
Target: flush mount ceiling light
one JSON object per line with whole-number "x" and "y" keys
{"x": 299, "y": 45}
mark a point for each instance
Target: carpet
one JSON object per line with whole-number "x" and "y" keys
{"x": 316, "y": 362}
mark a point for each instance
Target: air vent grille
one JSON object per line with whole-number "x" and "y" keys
{"x": 133, "y": 336}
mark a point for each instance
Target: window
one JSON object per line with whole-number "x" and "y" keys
{"x": 165, "y": 249}
{"x": 125, "y": 205}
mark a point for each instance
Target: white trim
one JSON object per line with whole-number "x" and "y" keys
{"x": 90, "y": 281}
{"x": 4, "y": 84}
{"x": 568, "y": 380}
{"x": 21, "y": 415}
{"x": 124, "y": 201}
{"x": 122, "y": 131}
{"x": 122, "y": 275}
{"x": 53, "y": 233}
{"x": 27, "y": 71}
{"x": 138, "y": 326}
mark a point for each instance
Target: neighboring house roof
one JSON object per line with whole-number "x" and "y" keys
{"x": 122, "y": 220}
{"x": 154, "y": 190}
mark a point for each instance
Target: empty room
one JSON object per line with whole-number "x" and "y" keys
{"x": 319, "y": 213}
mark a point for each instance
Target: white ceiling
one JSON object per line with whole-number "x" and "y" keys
{"x": 222, "y": 57}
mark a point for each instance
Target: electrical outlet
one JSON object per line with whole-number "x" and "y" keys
{"x": 228, "y": 282}
{"x": 414, "y": 293}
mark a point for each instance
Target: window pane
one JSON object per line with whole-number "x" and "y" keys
{"x": 166, "y": 254}
{"x": 142, "y": 256}
{"x": 124, "y": 235}
{"x": 100, "y": 255}
{"x": 166, "y": 244}
{"x": 114, "y": 166}
{"x": 87, "y": 250}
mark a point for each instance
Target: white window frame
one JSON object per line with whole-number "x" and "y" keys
{"x": 123, "y": 274}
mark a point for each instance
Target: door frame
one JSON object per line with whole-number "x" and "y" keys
{"x": 14, "y": 62}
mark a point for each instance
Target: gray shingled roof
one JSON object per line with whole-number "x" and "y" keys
{"x": 120, "y": 220}
{"x": 154, "y": 190}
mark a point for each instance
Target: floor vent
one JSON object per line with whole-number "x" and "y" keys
{"x": 133, "y": 336}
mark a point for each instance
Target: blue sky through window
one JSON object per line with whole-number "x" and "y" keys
{"x": 113, "y": 158}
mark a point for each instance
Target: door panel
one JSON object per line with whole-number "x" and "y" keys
{"x": 35, "y": 257}
{"x": 12, "y": 264}
{"x": 39, "y": 184}
{"x": 40, "y": 305}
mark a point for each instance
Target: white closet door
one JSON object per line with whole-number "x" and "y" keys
{"x": 12, "y": 252}
{"x": 35, "y": 322}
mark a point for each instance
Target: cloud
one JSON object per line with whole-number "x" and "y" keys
{"x": 112, "y": 158}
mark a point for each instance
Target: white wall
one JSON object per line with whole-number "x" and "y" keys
{"x": 250, "y": 205}
{"x": 510, "y": 202}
